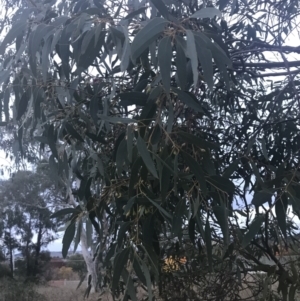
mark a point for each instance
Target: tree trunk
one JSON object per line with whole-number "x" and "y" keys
{"x": 11, "y": 263}
{"x": 37, "y": 250}
{"x": 90, "y": 263}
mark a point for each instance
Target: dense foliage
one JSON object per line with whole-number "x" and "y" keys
{"x": 167, "y": 116}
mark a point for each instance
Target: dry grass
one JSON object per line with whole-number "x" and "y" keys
{"x": 64, "y": 294}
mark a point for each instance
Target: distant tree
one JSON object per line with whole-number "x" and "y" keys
{"x": 25, "y": 202}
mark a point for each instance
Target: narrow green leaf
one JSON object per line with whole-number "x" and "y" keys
{"x": 73, "y": 132}
{"x": 130, "y": 136}
{"x": 191, "y": 229}
{"x": 137, "y": 265}
{"x": 119, "y": 262}
{"x": 253, "y": 230}
{"x": 177, "y": 217}
{"x": 264, "y": 148}
{"x": 181, "y": 65}
{"x": 16, "y": 29}
{"x": 261, "y": 197}
{"x": 45, "y": 58}
{"x": 125, "y": 59}
{"x": 192, "y": 54}
{"x": 231, "y": 168}
{"x": 208, "y": 243}
{"x": 160, "y": 209}
{"x": 64, "y": 212}
{"x": 122, "y": 233}
{"x": 165, "y": 178}
{"x": 222, "y": 183}
{"x": 207, "y": 12}
{"x": 196, "y": 169}
{"x": 188, "y": 100}
{"x": 137, "y": 12}
{"x": 121, "y": 155}
{"x": 192, "y": 139}
{"x": 133, "y": 98}
{"x": 119, "y": 120}
{"x": 78, "y": 235}
{"x": 6, "y": 103}
{"x": 292, "y": 292}
{"x": 68, "y": 238}
{"x": 23, "y": 104}
{"x": 148, "y": 280}
{"x": 164, "y": 59}
{"x": 146, "y": 36}
{"x": 89, "y": 232}
{"x": 205, "y": 59}
{"x": 256, "y": 172}
{"x": 129, "y": 287}
{"x": 280, "y": 210}
{"x": 161, "y": 7}
{"x": 222, "y": 217}
{"x": 144, "y": 152}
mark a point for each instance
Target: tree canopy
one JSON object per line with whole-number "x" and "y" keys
{"x": 165, "y": 122}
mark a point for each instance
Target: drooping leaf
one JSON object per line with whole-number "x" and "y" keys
{"x": 280, "y": 210}
{"x": 161, "y": 210}
{"x": 192, "y": 54}
{"x": 146, "y": 36}
{"x": 222, "y": 217}
{"x": 191, "y": 229}
{"x": 188, "y": 100}
{"x": 177, "y": 218}
{"x": 196, "y": 169}
{"x": 17, "y": 28}
{"x": 133, "y": 98}
{"x": 208, "y": 243}
{"x": 64, "y": 212}
{"x": 145, "y": 154}
{"x": 23, "y": 104}
{"x": 164, "y": 60}
{"x": 195, "y": 140}
{"x": 121, "y": 155}
{"x": 129, "y": 285}
{"x": 137, "y": 265}
{"x": 222, "y": 183}
{"x": 125, "y": 59}
{"x": 78, "y": 235}
{"x": 148, "y": 280}
{"x": 264, "y": 148}
{"x": 119, "y": 262}
{"x": 161, "y": 7}
{"x": 231, "y": 168}
{"x": 115, "y": 119}
{"x": 89, "y": 232}
{"x": 181, "y": 66}
{"x": 253, "y": 230}
{"x": 205, "y": 59}
{"x": 45, "y": 58}
{"x": 73, "y": 132}
{"x": 261, "y": 197}
{"x": 207, "y": 12}
{"x": 68, "y": 238}
{"x": 130, "y": 136}
{"x": 135, "y": 13}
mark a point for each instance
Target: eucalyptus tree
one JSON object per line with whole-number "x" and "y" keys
{"x": 169, "y": 117}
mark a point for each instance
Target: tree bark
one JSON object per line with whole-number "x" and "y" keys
{"x": 88, "y": 257}
{"x": 90, "y": 263}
